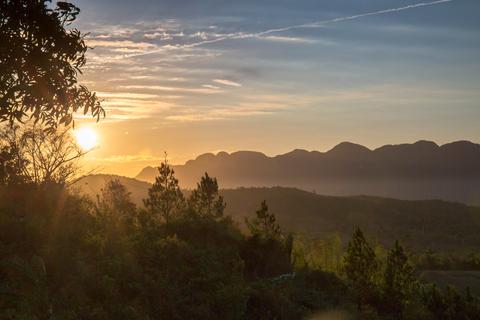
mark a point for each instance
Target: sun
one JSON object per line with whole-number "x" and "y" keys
{"x": 86, "y": 138}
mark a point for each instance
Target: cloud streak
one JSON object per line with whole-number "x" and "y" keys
{"x": 314, "y": 24}
{"x": 226, "y": 82}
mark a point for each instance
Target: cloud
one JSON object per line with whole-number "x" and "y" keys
{"x": 314, "y": 24}
{"x": 288, "y": 39}
{"x": 120, "y": 44}
{"x": 173, "y": 89}
{"x": 210, "y": 86}
{"x": 227, "y": 82}
{"x": 127, "y": 95}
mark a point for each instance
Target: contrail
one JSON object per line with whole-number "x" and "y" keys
{"x": 314, "y": 24}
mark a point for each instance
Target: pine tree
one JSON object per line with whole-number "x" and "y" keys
{"x": 264, "y": 224}
{"x": 361, "y": 268}
{"x": 165, "y": 197}
{"x": 399, "y": 281}
{"x": 205, "y": 200}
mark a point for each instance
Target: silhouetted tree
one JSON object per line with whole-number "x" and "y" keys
{"x": 40, "y": 59}
{"x": 399, "y": 282}
{"x": 361, "y": 268}
{"x": 10, "y": 165}
{"x": 448, "y": 304}
{"x": 115, "y": 201}
{"x": 39, "y": 156}
{"x": 264, "y": 224}
{"x": 165, "y": 197}
{"x": 267, "y": 253}
{"x": 205, "y": 200}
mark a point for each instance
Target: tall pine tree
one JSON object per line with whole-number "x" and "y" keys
{"x": 361, "y": 268}
{"x": 165, "y": 199}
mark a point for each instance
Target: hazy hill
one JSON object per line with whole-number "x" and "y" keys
{"x": 422, "y": 170}
{"x": 419, "y": 224}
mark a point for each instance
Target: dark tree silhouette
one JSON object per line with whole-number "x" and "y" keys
{"x": 37, "y": 156}
{"x": 265, "y": 224}
{"x": 361, "y": 268}
{"x": 399, "y": 281}
{"x": 205, "y": 200}
{"x": 165, "y": 197}
{"x": 40, "y": 59}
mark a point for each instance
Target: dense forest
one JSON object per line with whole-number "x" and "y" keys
{"x": 65, "y": 256}
{"x": 433, "y": 226}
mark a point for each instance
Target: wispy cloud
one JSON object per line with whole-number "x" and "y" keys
{"x": 227, "y": 82}
{"x": 173, "y": 89}
{"x": 313, "y": 24}
{"x": 288, "y": 39}
{"x": 120, "y": 44}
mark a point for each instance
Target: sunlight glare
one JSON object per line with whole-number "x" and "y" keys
{"x": 86, "y": 138}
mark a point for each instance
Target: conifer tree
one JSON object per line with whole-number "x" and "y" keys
{"x": 165, "y": 199}
{"x": 265, "y": 224}
{"x": 205, "y": 200}
{"x": 398, "y": 281}
{"x": 361, "y": 268}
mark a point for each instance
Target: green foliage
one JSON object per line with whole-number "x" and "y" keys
{"x": 267, "y": 253}
{"x": 457, "y": 260}
{"x": 40, "y": 59}
{"x": 205, "y": 200}
{"x": 63, "y": 256}
{"x": 399, "y": 282}
{"x": 448, "y": 304}
{"x": 295, "y": 296}
{"x": 361, "y": 268}
{"x": 165, "y": 199}
{"x": 319, "y": 254}
{"x": 265, "y": 224}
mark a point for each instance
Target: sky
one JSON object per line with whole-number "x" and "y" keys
{"x": 188, "y": 77}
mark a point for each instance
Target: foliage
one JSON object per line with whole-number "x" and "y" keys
{"x": 318, "y": 254}
{"x": 264, "y": 225}
{"x": 448, "y": 304}
{"x": 399, "y": 282}
{"x": 40, "y": 59}
{"x": 64, "y": 256}
{"x": 165, "y": 199}
{"x": 31, "y": 154}
{"x": 361, "y": 268}
{"x": 205, "y": 200}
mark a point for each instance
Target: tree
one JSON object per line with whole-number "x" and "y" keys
{"x": 205, "y": 200}
{"x": 361, "y": 268}
{"x": 266, "y": 252}
{"x": 264, "y": 224}
{"x": 10, "y": 165}
{"x": 40, "y": 59}
{"x": 115, "y": 200}
{"x": 165, "y": 197}
{"x": 38, "y": 156}
{"x": 399, "y": 281}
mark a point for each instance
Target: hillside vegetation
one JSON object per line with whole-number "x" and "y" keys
{"x": 421, "y": 225}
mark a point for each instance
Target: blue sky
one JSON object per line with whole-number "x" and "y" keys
{"x": 189, "y": 77}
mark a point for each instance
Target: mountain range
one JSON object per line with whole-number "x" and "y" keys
{"x": 418, "y": 171}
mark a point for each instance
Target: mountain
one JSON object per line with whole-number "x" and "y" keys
{"x": 434, "y": 224}
{"x": 418, "y": 171}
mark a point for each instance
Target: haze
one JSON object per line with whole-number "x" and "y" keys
{"x": 190, "y": 78}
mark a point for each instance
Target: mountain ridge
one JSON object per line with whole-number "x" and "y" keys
{"x": 420, "y": 170}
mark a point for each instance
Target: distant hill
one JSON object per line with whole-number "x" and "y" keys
{"x": 432, "y": 224}
{"x": 418, "y": 171}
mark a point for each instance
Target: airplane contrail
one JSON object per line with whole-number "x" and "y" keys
{"x": 314, "y": 24}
